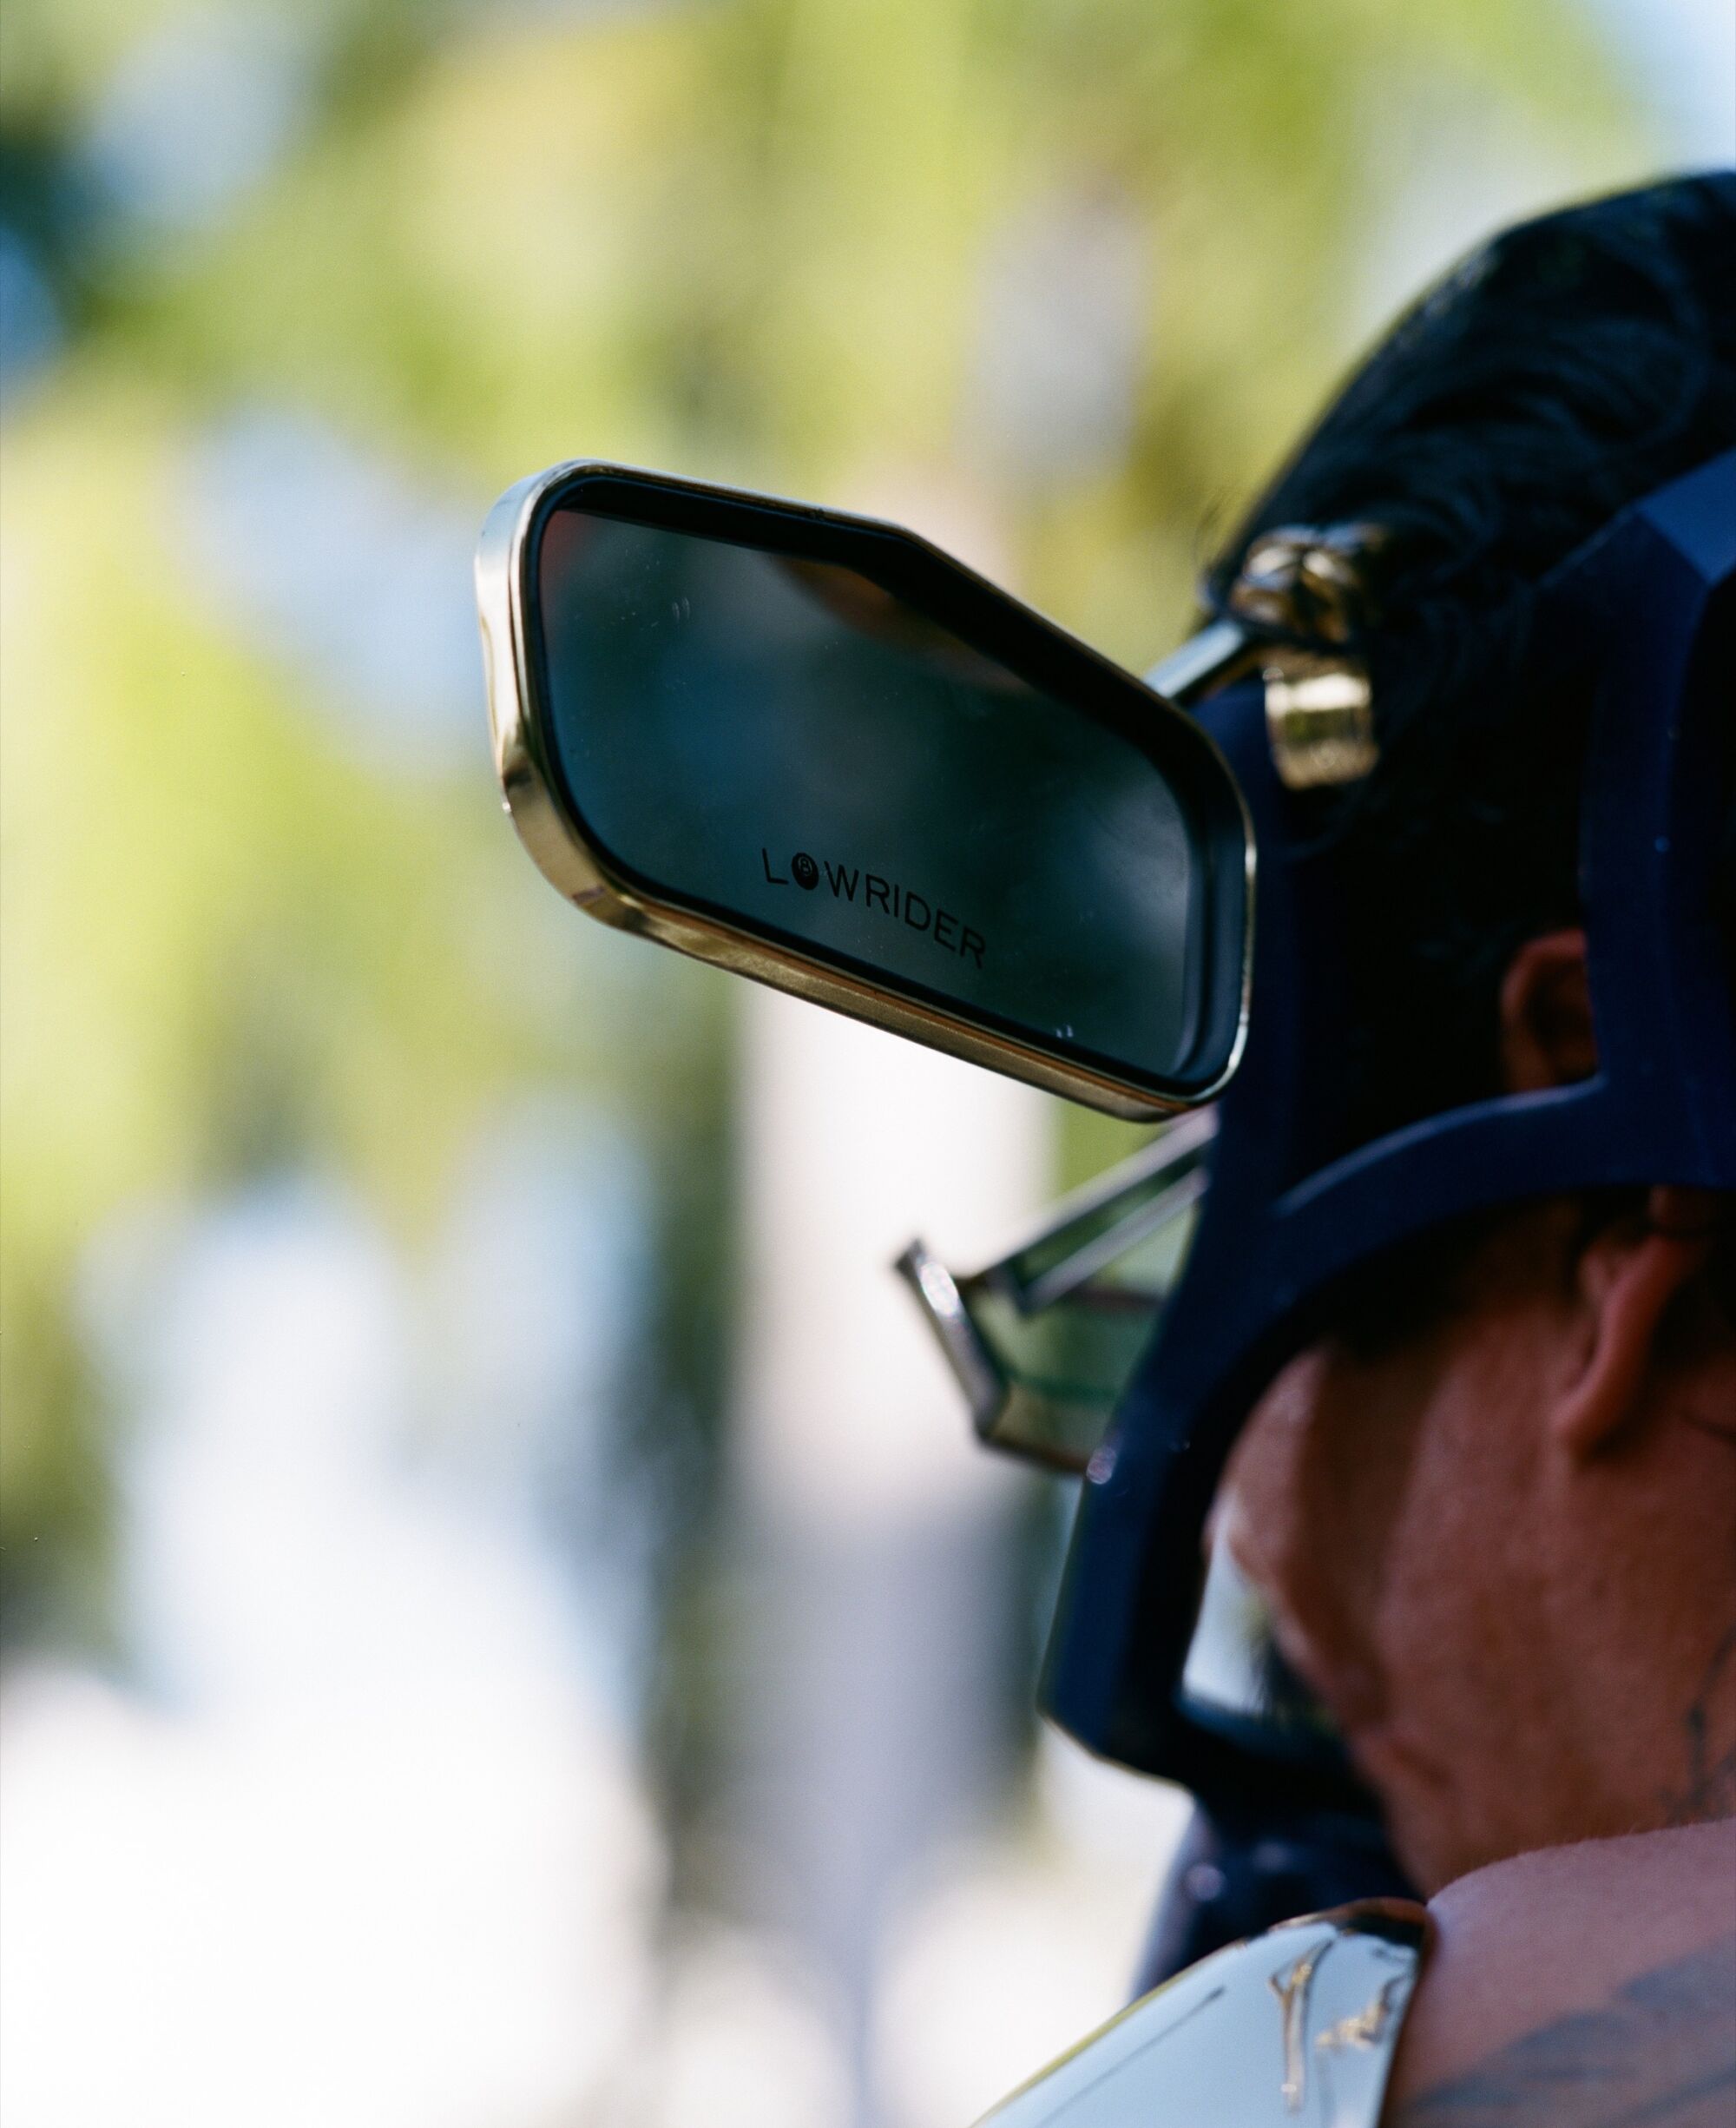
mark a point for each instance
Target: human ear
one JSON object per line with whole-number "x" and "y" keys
{"x": 1547, "y": 1035}
{"x": 1627, "y": 1275}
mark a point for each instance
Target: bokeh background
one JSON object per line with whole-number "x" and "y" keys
{"x": 502, "y": 1628}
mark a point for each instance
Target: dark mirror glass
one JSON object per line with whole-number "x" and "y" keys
{"x": 785, "y": 742}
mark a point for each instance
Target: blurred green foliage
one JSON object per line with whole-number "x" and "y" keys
{"x": 756, "y": 239}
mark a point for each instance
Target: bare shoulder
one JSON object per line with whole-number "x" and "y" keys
{"x": 1590, "y": 1986}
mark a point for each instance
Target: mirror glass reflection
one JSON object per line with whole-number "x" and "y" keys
{"x": 787, "y": 744}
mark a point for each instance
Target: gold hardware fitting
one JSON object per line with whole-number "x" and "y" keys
{"x": 1312, "y": 580}
{"x": 1309, "y": 580}
{"x": 1319, "y": 720}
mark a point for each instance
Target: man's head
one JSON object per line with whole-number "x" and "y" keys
{"x": 1546, "y": 450}
{"x": 1495, "y": 1505}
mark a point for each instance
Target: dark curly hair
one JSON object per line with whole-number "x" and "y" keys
{"x": 1562, "y": 371}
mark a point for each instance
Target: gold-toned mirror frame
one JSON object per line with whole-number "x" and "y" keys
{"x": 573, "y": 865}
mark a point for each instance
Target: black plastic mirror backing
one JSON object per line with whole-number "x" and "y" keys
{"x": 816, "y": 750}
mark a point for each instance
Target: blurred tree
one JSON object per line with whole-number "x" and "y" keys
{"x": 1064, "y": 276}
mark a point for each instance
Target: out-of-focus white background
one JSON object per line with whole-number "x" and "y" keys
{"x": 502, "y": 1625}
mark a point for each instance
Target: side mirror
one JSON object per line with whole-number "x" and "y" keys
{"x": 812, "y": 748}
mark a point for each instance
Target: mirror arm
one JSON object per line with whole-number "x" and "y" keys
{"x": 1220, "y": 652}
